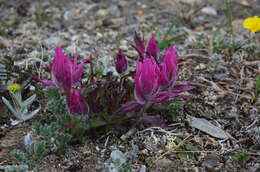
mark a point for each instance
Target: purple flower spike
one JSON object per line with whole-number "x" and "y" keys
{"x": 146, "y": 80}
{"x": 65, "y": 72}
{"x": 169, "y": 68}
{"x": 76, "y": 103}
{"x": 152, "y": 49}
{"x": 139, "y": 42}
{"x": 139, "y": 46}
{"x": 121, "y": 63}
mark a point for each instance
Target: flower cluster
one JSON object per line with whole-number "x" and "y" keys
{"x": 252, "y": 24}
{"x": 65, "y": 74}
{"x": 155, "y": 78}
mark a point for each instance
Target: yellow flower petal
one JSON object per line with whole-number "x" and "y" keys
{"x": 252, "y": 24}
{"x": 14, "y": 87}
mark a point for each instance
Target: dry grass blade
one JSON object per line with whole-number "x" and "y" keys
{"x": 217, "y": 88}
{"x": 186, "y": 140}
{"x": 161, "y": 130}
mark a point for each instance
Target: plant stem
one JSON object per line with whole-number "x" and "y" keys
{"x": 133, "y": 129}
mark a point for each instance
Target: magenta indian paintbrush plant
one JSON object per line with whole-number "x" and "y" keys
{"x": 64, "y": 72}
{"x": 155, "y": 82}
{"x": 155, "y": 77}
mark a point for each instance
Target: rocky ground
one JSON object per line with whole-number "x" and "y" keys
{"x": 213, "y": 52}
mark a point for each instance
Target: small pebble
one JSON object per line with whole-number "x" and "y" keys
{"x": 220, "y": 76}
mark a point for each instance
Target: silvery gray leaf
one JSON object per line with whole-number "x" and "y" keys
{"x": 15, "y": 122}
{"x": 28, "y": 141}
{"x": 205, "y": 126}
{"x": 143, "y": 168}
{"x": 209, "y": 11}
{"x": 117, "y": 155}
{"x": 17, "y": 96}
{"x": 29, "y": 101}
{"x": 112, "y": 168}
{"x": 8, "y": 104}
{"x": 29, "y": 116}
{"x": 12, "y": 168}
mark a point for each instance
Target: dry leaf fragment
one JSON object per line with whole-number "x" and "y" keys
{"x": 205, "y": 126}
{"x": 209, "y": 11}
{"x": 245, "y": 4}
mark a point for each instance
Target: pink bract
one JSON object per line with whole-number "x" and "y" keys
{"x": 151, "y": 49}
{"x": 146, "y": 80}
{"x": 76, "y": 103}
{"x": 169, "y": 68}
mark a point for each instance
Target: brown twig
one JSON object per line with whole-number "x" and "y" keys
{"x": 253, "y": 123}
{"x": 187, "y": 139}
{"x": 194, "y": 151}
{"x": 161, "y": 130}
{"x": 255, "y": 154}
{"x": 194, "y": 55}
{"x": 134, "y": 127}
{"x": 217, "y": 88}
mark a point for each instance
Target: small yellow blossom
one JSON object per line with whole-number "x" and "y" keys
{"x": 252, "y": 24}
{"x": 14, "y": 87}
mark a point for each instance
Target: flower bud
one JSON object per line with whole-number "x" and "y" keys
{"x": 121, "y": 63}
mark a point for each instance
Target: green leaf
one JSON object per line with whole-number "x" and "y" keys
{"x": 40, "y": 150}
{"x": 20, "y": 156}
{"x": 89, "y": 89}
{"x": 242, "y": 155}
{"x": 63, "y": 139}
{"x": 170, "y": 29}
{"x": 94, "y": 122}
{"x": 55, "y": 101}
{"x": 164, "y": 44}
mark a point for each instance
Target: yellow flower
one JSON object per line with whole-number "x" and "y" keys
{"x": 14, "y": 87}
{"x": 252, "y": 24}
